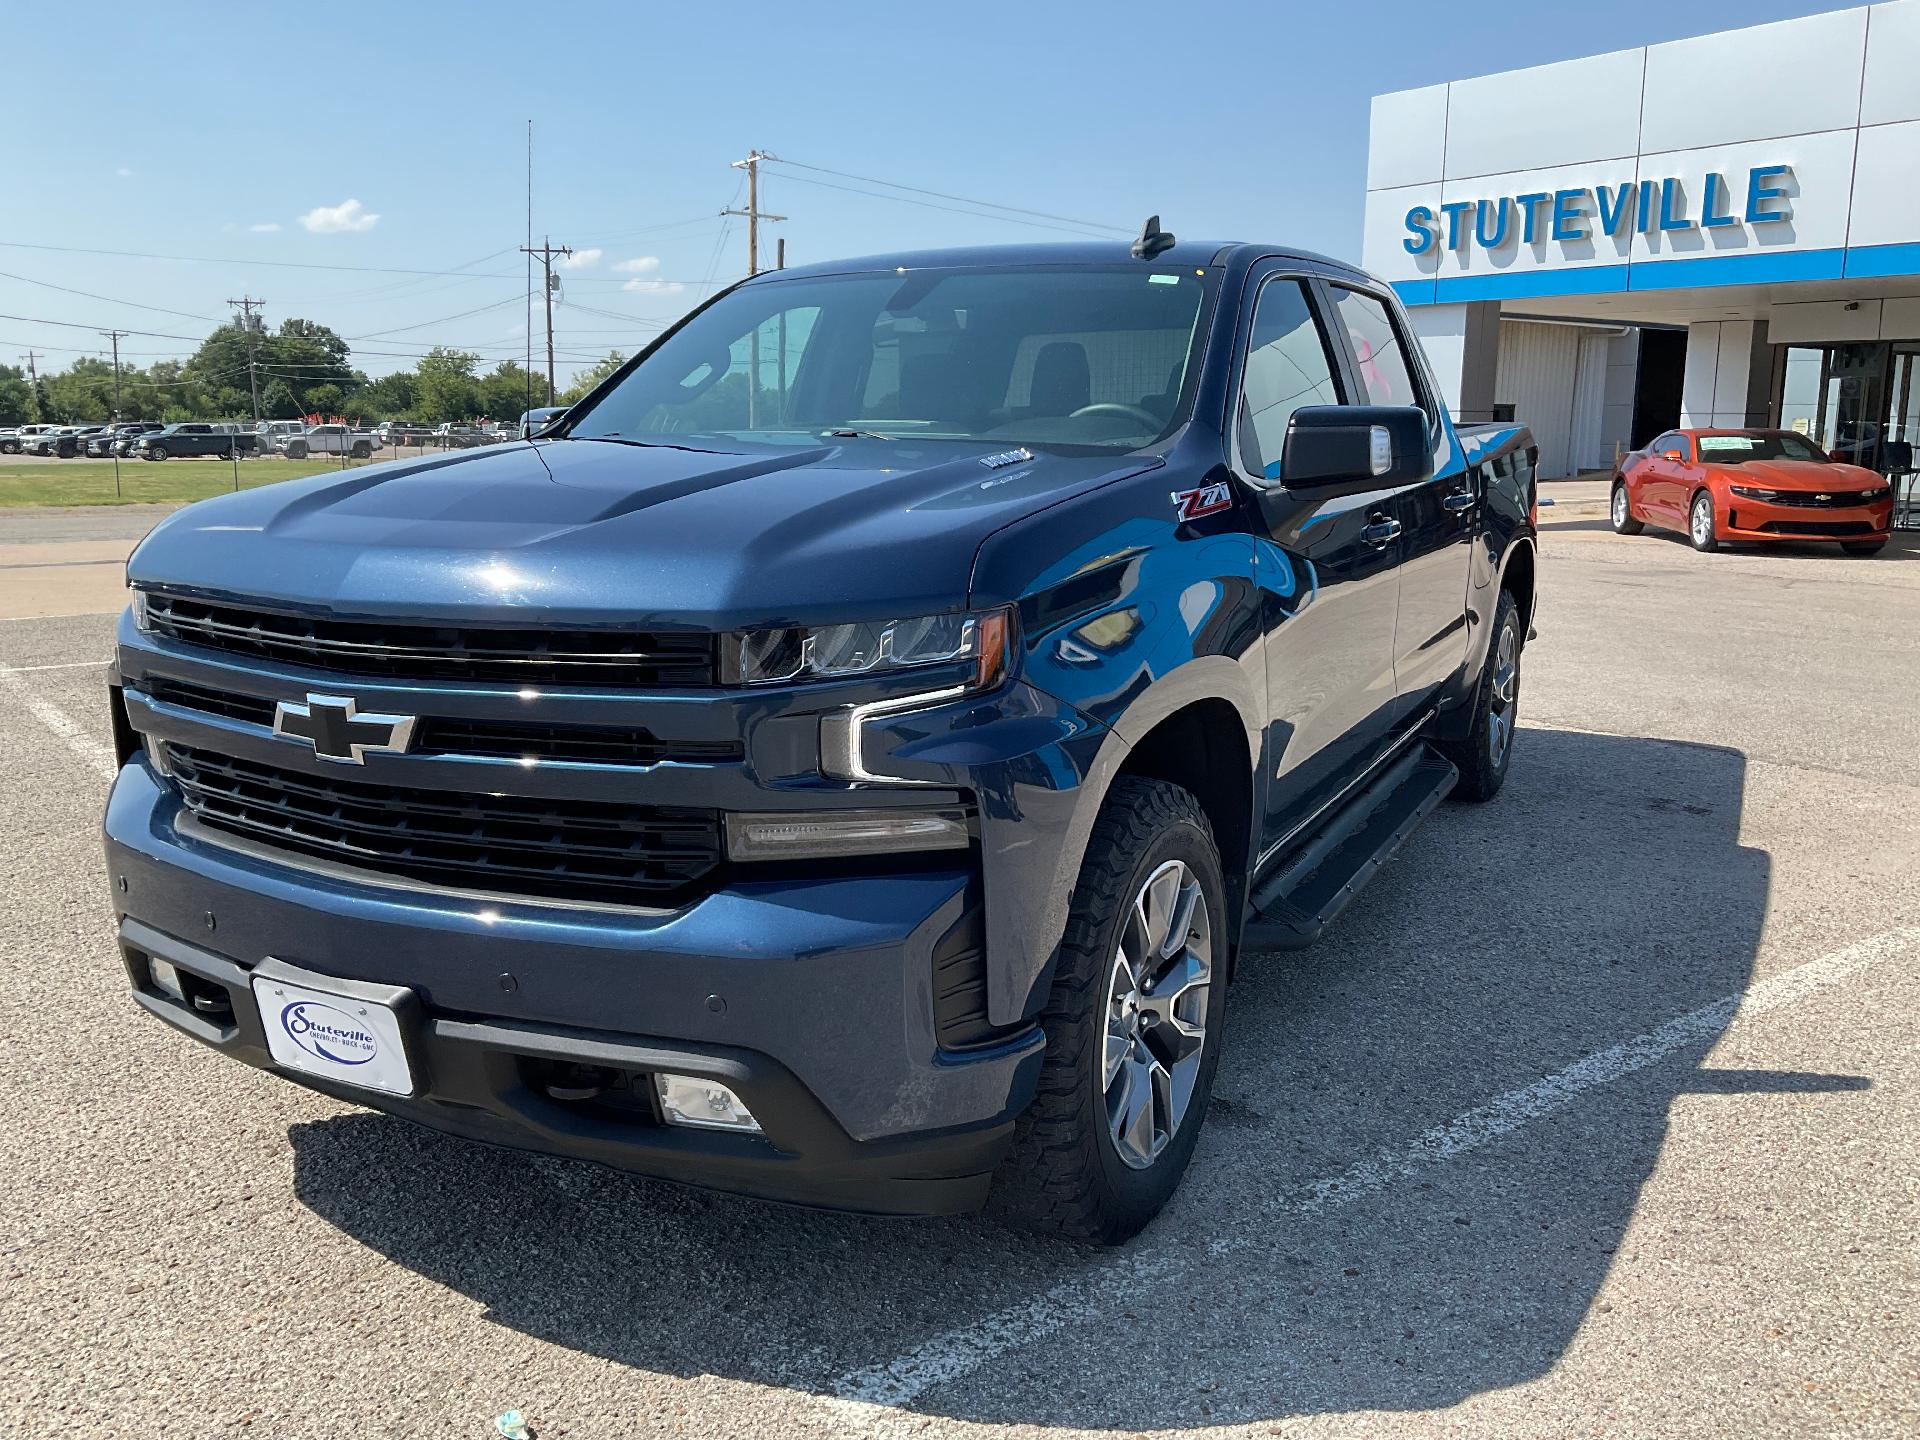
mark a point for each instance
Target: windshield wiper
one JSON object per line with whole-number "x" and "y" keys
{"x": 857, "y": 435}
{"x": 643, "y": 444}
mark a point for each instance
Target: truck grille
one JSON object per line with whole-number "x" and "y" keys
{"x": 521, "y": 845}
{"x": 503, "y": 739}
{"x": 379, "y": 648}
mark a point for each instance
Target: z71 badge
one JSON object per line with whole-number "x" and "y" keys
{"x": 1192, "y": 504}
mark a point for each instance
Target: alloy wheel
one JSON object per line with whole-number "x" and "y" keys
{"x": 1505, "y": 691}
{"x": 1156, "y": 1013}
{"x": 1619, "y": 506}
{"x": 1702, "y": 519}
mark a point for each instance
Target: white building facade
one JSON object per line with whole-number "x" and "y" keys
{"x": 1717, "y": 231}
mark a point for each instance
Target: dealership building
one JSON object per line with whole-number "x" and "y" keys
{"x": 1716, "y": 231}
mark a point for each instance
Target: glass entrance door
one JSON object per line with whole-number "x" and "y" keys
{"x": 1903, "y": 434}
{"x": 1859, "y": 403}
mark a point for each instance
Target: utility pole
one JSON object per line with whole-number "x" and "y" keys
{"x": 33, "y": 375}
{"x": 114, "y": 335}
{"x": 545, "y": 252}
{"x": 753, "y": 212}
{"x": 247, "y": 306}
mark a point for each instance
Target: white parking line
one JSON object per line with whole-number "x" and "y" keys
{"x": 866, "y": 1399}
{"x": 64, "y": 665}
{"x": 98, "y": 756}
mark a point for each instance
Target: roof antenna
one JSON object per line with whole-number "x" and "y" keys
{"x": 1152, "y": 240}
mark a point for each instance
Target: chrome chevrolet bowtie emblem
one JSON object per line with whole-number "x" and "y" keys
{"x": 334, "y": 727}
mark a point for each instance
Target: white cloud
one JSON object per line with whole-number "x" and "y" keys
{"x": 268, "y": 227}
{"x": 581, "y": 260}
{"x": 348, "y": 217}
{"x": 639, "y": 265}
{"x": 654, "y": 287}
{"x": 124, "y": 173}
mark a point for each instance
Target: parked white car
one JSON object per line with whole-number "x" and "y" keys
{"x": 330, "y": 440}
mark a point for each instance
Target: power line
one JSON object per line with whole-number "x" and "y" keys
{"x": 108, "y": 299}
{"x": 961, "y": 199}
{"x": 930, "y": 205}
{"x": 439, "y": 320}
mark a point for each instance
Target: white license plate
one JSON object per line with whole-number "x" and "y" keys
{"x": 340, "y": 1037}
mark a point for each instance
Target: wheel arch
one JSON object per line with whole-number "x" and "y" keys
{"x": 1203, "y": 748}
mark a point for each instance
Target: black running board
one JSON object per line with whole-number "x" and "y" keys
{"x": 1296, "y": 903}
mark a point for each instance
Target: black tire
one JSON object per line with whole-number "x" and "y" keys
{"x": 1863, "y": 547}
{"x": 362, "y": 451}
{"x": 1065, "y": 1173}
{"x": 1484, "y": 756}
{"x": 296, "y": 450}
{"x": 1703, "y": 528}
{"x": 1621, "y": 516}
{"x": 156, "y": 452}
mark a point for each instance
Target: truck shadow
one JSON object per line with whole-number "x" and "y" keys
{"x": 1604, "y": 894}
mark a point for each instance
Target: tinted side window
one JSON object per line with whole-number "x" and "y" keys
{"x": 1287, "y": 367}
{"x": 1377, "y": 351}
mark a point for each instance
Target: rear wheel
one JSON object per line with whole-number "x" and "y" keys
{"x": 1701, "y": 529}
{"x": 1864, "y": 547}
{"x": 1622, "y": 515}
{"x": 362, "y": 450}
{"x": 1133, "y": 1024}
{"x": 1482, "y": 757}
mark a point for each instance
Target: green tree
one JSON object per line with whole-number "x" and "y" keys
{"x": 391, "y": 397}
{"x": 503, "y": 394}
{"x": 445, "y": 386}
{"x": 585, "y": 380}
{"x": 16, "y": 397}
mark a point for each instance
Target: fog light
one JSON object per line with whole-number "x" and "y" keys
{"x": 166, "y": 979}
{"x": 702, "y": 1104}
{"x": 778, "y": 836}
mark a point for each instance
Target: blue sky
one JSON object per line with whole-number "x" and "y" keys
{"x": 212, "y": 132}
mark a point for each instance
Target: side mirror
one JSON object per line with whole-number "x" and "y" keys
{"x": 1355, "y": 448}
{"x": 1673, "y": 455}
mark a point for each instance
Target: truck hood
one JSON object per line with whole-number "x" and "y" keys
{"x": 598, "y": 532}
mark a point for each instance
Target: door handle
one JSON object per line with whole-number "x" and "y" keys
{"x": 1380, "y": 532}
{"x": 1459, "y": 500}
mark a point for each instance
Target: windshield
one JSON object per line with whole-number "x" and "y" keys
{"x": 1774, "y": 445}
{"x": 1079, "y": 357}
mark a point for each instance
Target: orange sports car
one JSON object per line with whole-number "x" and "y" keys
{"x": 1718, "y": 485}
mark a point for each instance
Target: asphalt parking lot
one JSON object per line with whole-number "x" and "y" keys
{"x": 1599, "y": 1114}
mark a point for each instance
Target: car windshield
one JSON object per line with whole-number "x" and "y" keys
{"x": 1081, "y": 358}
{"x": 1767, "y": 445}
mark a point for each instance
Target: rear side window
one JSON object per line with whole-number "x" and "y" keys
{"x": 1378, "y": 353}
{"x": 1287, "y": 367}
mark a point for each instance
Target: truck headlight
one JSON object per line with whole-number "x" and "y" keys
{"x": 826, "y": 652}
{"x": 141, "y": 620}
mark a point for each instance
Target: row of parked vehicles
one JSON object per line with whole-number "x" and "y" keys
{"x": 292, "y": 439}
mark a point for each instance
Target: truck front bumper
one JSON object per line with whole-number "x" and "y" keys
{"x": 812, "y": 1000}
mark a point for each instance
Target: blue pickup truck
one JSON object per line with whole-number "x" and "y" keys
{"x": 845, "y": 760}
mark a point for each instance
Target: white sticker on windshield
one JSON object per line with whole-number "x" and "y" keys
{"x": 1163, "y": 279}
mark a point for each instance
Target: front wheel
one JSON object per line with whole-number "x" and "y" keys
{"x": 156, "y": 452}
{"x": 296, "y": 450}
{"x": 1133, "y": 1024}
{"x": 1622, "y": 514}
{"x": 1701, "y": 529}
